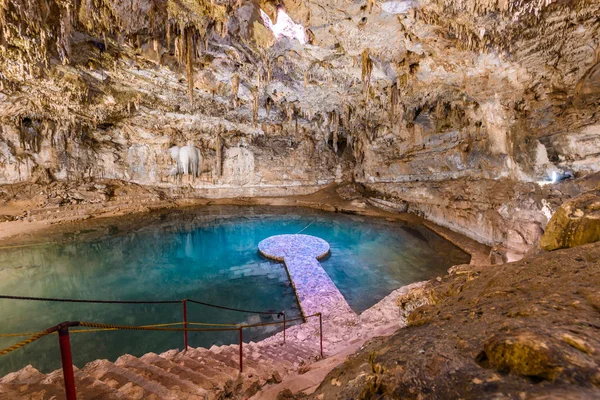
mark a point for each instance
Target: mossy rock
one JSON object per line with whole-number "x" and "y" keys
{"x": 576, "y": 222}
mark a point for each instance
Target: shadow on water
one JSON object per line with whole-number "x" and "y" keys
{"x": 208, "y": 254}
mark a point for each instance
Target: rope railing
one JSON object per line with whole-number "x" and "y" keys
{"x": 65, "y": 344}
{"x": 114, "y": 329}
{"x": 62, "y": 300}
{"x": 183, "y": 302}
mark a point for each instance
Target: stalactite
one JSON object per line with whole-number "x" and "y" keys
{"x": 258, "y": 80}
{"x": 255, "y": 105}
{"x": 348, "y": 116}
{"x": 296, "y": 121}
{"x": 335, "y": 126}
{"x": 370, "y": 4}
{"x": 367, "y": 69}
{"x": 268, "y": 104}
{"x": 219, "y": 166}
{"x": 305, "y": 80}
{"x": 168, "y": 26}
{"x": 189, "y": 63}
{"x": 224, "y": 28}
{"x": 335, "y": 141}
{"x": 235, "y": 85}
{"x": 178, "y": 50}
{"x": 269, "y": 73}
{"x": 64, "y": 39}
{"x": 394, "y": 98}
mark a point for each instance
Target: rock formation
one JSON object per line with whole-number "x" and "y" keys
{"x": 576, "y": 222}
{"x": 456, "y": 110}
{"x": 481, "y": 116}
{"x": 525, "y": 329}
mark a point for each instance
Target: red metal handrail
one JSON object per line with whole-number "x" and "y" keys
{"x": 67, "y": 362}
{"x": 185, "y": 324}
{"x": 67, "y": 358}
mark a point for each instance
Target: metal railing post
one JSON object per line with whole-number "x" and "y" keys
{"x": 185, "y": 324}
{"x": 284, "y": 321}
{"x": 67, "y": 362}
{"x": 241, "y": 351}
{"x": 321, "y": 332}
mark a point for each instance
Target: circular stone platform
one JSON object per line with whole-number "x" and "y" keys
{"x": 293, "y": 246}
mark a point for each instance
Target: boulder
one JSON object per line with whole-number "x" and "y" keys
{"x": 576, "y": 222}
{"x": 522, "y": 353}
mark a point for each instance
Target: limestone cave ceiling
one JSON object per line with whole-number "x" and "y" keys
{"x": 386, "y": 91}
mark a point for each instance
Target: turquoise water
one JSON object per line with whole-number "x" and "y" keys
{"x": 209, "y": 254}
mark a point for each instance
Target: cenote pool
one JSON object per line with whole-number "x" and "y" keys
{"x": 209, "y": 254}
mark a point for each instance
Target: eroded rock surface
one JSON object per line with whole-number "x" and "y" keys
{"x": 490, "y": 332}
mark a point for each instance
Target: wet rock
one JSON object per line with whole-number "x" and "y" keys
{"x": 575, "y": 223}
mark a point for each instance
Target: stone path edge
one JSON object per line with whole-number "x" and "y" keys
{"x": 319, "y": 251}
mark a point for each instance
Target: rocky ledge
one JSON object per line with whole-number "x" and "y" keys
{"x": 521, "y": 330}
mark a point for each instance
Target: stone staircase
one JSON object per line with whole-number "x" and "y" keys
{"x": 193, "y": 374}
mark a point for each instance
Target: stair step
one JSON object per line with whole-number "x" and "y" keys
{"x": 32, "y": 391}
{"x": 208, "y": 360}
{"x": 181, "y": 371}
{"x": 213, "y": 370}
{"x": 27, "y": 384}
{"x": 231, "y": 357}
{"x": 86, "y": 386}
{"x": 181, "y": 387}
{"x": 25, "y": 375}
{"x": 195, "y": 374}
{"x": 126, "y": 382}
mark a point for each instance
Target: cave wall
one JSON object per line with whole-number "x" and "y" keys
{"x": 457, "y": 108}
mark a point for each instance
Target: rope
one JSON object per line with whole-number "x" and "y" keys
{"x": 90, "y": 301}
{"x": 146, "y": 328}
{"x": 118, "y": 327}
{"x": 234, "y": 309}
{"x": 137, "y": 302}
{"x": 272, "y": 323}
{"x": 208, "y": 324}
{"x": 158, "y": 327}
{"x": 306, "y": 227}
{"x": 86, "y": 330}
{"x": 25, "y": 342}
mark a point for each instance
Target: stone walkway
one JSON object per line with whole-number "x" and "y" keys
{"x": 316, "y": 292}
